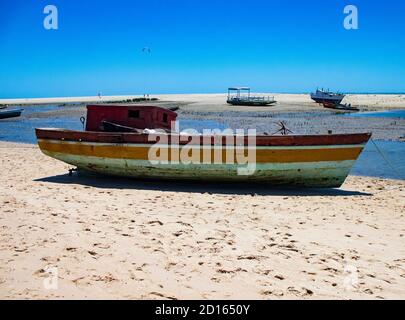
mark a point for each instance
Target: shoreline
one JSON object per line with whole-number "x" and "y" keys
{"x": 372, "y": 102}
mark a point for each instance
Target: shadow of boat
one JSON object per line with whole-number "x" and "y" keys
{"x": 253, "y": 189}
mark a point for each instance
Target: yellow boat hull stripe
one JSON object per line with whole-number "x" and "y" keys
{"x": 263, "y": 154}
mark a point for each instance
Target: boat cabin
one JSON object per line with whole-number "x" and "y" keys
{"x": 125, "y": 118}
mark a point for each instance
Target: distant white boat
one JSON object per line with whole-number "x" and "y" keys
{"x": 326, "y": 96}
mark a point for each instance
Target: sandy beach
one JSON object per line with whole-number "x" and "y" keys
{"x": 217, "y": 102}
{"x": 118, "y": 239}
{"x": 287, "y": 102}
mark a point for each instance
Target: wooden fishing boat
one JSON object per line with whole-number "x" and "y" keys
{"x": 307, "y": 161}
{"x": 326, "y": 96}
{"x": 14, "y": 113}
{"x": 339, "y": 106}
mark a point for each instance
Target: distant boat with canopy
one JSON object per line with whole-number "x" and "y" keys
{"x": 241, "y": 96}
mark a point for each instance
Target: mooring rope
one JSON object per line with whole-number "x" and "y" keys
{"x": 387, "y": 160}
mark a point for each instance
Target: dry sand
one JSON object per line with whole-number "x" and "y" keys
{"x": 217, "y": 102}
{"x": 116, "y": 239}
{"x": 286, "y": 102}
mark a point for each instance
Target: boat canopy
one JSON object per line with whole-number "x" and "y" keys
{"x": 239, "y": 89}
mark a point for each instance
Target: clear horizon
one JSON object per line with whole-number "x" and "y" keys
{"x": 199, "y": 47}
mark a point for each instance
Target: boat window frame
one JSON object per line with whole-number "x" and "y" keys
{"x": 138, "y": 113}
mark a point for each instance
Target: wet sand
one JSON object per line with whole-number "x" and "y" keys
{"x": 216, "y": 102}
{"x": 115, "y": 239}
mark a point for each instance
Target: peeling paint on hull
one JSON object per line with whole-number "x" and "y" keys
{"x": 306, "y": 161}
{"x": 329, "y": 174}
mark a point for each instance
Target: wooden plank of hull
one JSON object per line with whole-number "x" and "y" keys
{"x": 263, "y": 155}
{"x": 292, "y": 140}
{"x": 327, "y": 100}
{"x": 321, "y": 166}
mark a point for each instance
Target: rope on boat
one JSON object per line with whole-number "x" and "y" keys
{"x": 387, "y": 160}
{"x": 83, "y": 121}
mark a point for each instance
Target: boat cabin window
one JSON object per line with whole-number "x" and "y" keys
{"x": 134, "y": 114}
{"x": 165, "y": 117}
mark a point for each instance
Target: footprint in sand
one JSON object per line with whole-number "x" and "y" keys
{"x": 161, "y": 295}
{"x": 155, "y": 222}
{"x": 302, "y": 293}
{"x": 277, "y": 293}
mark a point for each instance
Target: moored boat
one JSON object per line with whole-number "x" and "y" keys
{"x": 339, "y": 106}
{"x": 326, "y": 96}
{"x": 237, "y": 98}
{"x": 14, "y": 113}
{"x": 307, "y": 161}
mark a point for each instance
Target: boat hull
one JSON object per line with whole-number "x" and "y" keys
{"x": 251, "y": 103}
{"x": 10, "y": 114}
{"x": 327, "y": 175}
{"x": 327, "y": 100}
{"x": 312, "y": 165}
{"x": 340, "y": 107}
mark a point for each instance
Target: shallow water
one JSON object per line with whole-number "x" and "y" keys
{"x": 394, "y": 114}
{"x": 200, "y": 125}
{"x": 22, "y": 129}
{"x": 370, "y": 163}
{"x": 391, "y": 114}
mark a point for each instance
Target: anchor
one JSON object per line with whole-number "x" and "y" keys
{"x": 283, "y": 129}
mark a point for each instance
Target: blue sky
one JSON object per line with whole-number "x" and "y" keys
{"x": 199, "y": 46}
